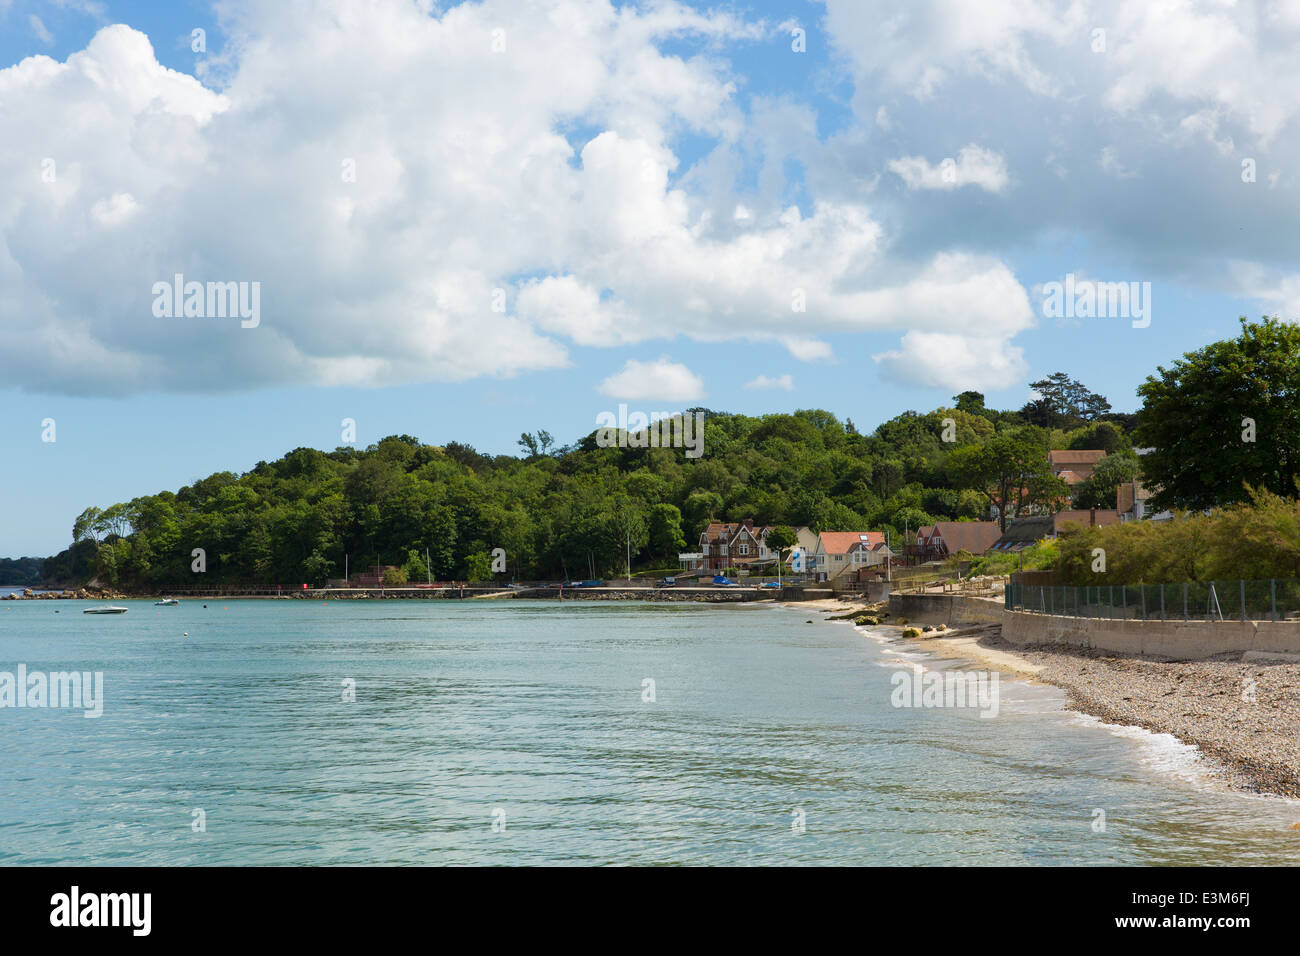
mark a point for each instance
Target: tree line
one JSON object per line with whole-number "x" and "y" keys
{"x": 439, "y": 510}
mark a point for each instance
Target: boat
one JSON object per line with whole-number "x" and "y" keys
{"x": 166, "y": 602}
{"x": 105, "y": 609}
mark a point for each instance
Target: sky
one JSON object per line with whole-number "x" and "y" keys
{"x": 462, "y": 221}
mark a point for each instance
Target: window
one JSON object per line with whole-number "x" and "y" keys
{"x": 744, "y": 547}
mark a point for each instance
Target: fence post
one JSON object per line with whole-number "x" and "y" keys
{"x": 1110, "y": 602}
{"x": 1123, "y": 597}
{"x": 1142, "y": 590}
{"x": 1051, "y": 601}
{"x": 1162, "y": 602}
{"x": 1242, "y": 582}
{"x": 1272, "y": 596}
{"x": 1184, "y": 600}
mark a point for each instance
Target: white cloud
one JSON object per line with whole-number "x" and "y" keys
{"x": 1278, "y": 292}
{"x": 661, "y": 379}
{"x": 382, "y": 207}
{"x": 114, "y": 211}
{"x": 959, "y": 362}
{"x": 785, "y": 382}
{"x": 807, "y": 350}
{"x": 38, "y": 28}
{"x": 974, "y": 166}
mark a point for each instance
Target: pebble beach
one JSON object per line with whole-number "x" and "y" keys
{"x": 1243, "y": 715}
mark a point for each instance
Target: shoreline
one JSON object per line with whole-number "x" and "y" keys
{"x": 1243, "y": 717}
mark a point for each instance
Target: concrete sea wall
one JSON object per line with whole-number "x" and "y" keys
{"x": 1179, "y": 640}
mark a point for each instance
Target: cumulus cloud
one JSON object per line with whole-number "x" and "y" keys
{"x": 421, "y": 198}
{"x": 661, "y": 379}
{"x": 1138, "y": 129}
{"x": 959, "y": 362}
{"x": 785, "y": 382}
{"x": 973, "y": 166}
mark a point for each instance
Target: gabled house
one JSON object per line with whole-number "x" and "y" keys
{"x": 842, "y": 555}
{"x": 733, "y": 544}
{"x": 945, "y": 538}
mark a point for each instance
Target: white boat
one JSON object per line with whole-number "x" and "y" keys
{"x": 105, "y": 609}
{"x": 166, "y": 602}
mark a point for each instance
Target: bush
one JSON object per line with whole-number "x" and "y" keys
{"x": 394, "y": 577}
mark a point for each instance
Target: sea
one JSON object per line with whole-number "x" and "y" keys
{"x": 286, "y": 732}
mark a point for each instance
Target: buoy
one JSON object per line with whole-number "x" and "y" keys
{"x": 186, "y": 634}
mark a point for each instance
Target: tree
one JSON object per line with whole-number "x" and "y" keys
{"x": 394, "y": 578}
{"x": 1063, "y": 403}
{"x": 479, "y": 566}
{"x": 528, "y": 443}
{"x": 781, "y": 539}
{"x": 1224, "y": 417}
{"x": 666, "y": 538}
{"x": 1011, "y": 470}
{"x": 415, "y": 568}
{"x": 1109, "y": 473}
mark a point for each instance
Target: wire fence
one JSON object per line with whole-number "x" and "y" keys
{"x": 1275, "y": 599}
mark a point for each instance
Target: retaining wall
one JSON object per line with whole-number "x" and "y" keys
{"x": 1180, "y": 640}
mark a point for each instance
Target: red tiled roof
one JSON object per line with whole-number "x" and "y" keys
{"x": 842, "y": 542}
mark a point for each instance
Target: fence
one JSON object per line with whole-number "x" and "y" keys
{"x": 1276, "y": 599}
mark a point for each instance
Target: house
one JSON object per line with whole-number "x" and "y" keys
{"x": 730, "y": 545}
{"x": 1074, "y": 465}
{"x": 841, "y": 555}
{"x": 1023, "y": 532}
{"x": 1131, "y": 501}
{"x": 944, "y": 538}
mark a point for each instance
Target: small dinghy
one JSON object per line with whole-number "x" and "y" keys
{"x": 166, "y": 602}
{"x": 106, "y": 609}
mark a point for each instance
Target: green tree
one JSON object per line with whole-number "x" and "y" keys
{"x": 479, "y": 566}
{"x": 666, "y": 538}
{"x": 781, "y": 539}
{"x": 1063, "y": 403}
{"x": 1012, "y": 472}
{"x": 1223, "y": 417}
{"x": 1109, "y": 473}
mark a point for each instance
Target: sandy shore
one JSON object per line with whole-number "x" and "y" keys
{"x": 1243, "y": 715}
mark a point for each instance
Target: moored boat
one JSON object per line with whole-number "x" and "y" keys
{"x": 166, "y": 602}
{"x": 105, "y": 609}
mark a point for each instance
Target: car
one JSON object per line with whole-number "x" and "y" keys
{"x": 770, "y": 584}
{"x": 722, "y": 581}
{"x": 666, "y": 583}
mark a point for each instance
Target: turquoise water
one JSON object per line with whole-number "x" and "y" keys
{"x": 535, "y": 710}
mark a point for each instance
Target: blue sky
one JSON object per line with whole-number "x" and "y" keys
{"x": 602, "y": 184}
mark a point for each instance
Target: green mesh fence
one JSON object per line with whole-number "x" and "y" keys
{"x": 1228, "y": 600}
